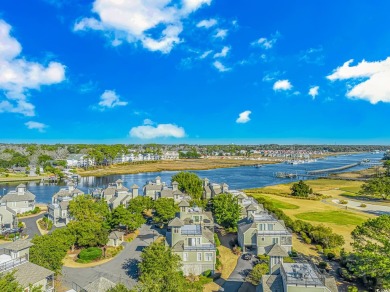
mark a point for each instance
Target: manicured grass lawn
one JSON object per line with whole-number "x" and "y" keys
{"x": 354, "y": 189}
{"x": 336, "y": 217}
{"x": 283, "y": 205}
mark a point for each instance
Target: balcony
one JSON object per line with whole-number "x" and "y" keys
{"x": 191, "y": 232}
{"x": 12, "y": 263}
{"x": 200, "y": 247}
{"x": 273, "y": 232}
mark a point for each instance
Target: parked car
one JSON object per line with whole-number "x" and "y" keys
{"x": 149, "y": 221}
{"x": 247, "y": 256}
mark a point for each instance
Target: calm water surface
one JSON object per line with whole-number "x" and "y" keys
{"x": 237, "y": 178}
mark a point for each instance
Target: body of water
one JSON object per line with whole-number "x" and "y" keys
{"x": 237, "y": 178}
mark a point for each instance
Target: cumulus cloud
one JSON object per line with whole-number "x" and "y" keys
{"x": 221, "y": 33}
{"x": 267, "y": 43}
{"x": 372, "y": 79}
{"x": 225, "y": 50}
{"x": 220, "y": 67}
{"x": 133, "y": 21}
{"x": 205, "y": 54}
{"x": 313, "y": 91}
{"x": 36, "y": 126}
{"x": 18, "y": 76}
{"x": 282, "y": 85}
{"x": 207, "y": 23}
{"x": 148, "y": 131}
{"x": 109, "y": 99}
{"x": 243, "y": 117}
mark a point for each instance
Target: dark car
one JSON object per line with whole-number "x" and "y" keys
{"x": 247, "y": 256}
{"x": 149, "y": 221}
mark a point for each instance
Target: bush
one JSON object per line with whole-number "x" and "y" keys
{"x": 218, "y": 264}
{"x": 257, "y": 273}
{"x": 216, "y": 239}
{"x": 288, "y": 260}
{"x": 237, "y": 250}
{"x": 319, "y": 248}
{"x": 207, "y": 273}
{"x": 353, "y": 289}
{"x": 362, "y": 205}
{"x": 293, "y": 253}
{"x": 263, "y": 258}
{"x": 217, "y": 252}
{"x": 90, "y": 254}
{"x": 331, "y": 255}
{"x": 343, "y": 202}
{"x": 322, "y": 265}
{"x": 344, "y": 274}
{"x": 36, "y": 210}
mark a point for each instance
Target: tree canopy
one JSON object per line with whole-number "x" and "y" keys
{"x": 301, "y": 189}
{"x": 122, "y": 216}
{"x": 371, "y": 243}
{"x": 165, "y": 209}
{"x": 377, "y": 187}
{"x": 140, "y": 204}
{"x": 190, "y": 184}
{"x": 226, "y": 210}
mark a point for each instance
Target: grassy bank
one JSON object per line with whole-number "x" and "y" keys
{"x": 170, "y": 165}
{"x": 341, "y": 221}
{"x": 20, "y": 178}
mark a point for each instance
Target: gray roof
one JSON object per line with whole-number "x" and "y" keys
{"x": 64, "y": 205}
{"x": 153, "y": 187}
{"x": 119, "y": 181}
{"x": 251, "y": 207}
{"x": 245, "y": 226}
{"x": 17, "y": 245}
{"x": 13, "y": 196}
{"x": 175, "y": 183}
{"x": 167, "y": 193}
{"x": 75, "y": 156}
{"x": 134, "y": 186}
{"x": 29, "y": 273}
{"x": 330, "y": 283}
{"x": 184, "y": 203}
{"x": 21, "y": 186}
{"x": 100, "y": 285}
{"x": 116, "y": 235}
{"x": 176, "y": 222}
{"x": 277, "y": 251}
{"x": 272, "y": 283}
{"x": 179, "y": 246}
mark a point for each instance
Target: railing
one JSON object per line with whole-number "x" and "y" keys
{"x": 273, "y": 232}
{"x": 191, "y": 232}
{"x": 5, "y": 251}
{"x": 200, "y": 247}
{"x": 12, "y": 263}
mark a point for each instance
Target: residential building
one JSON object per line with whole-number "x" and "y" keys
{"x": 210, "y": 190}
{"x": 153, "y": 189}
{"x": 157, "y": 189}
{"x": 117, "y": 194}
{"x": 79, "y": 160}
{"x": 170, "y": 155}
{"x": 296, "y": 277}
{"x": 14, "y": 257}
{"x": 259, "y": 231}
{"x": 8, "y": 217}
{"x": 20, "y": 200}
{"x": 115, "y": 238}
{"x": 58, "y": 211}
{"x": 191, "y": 236}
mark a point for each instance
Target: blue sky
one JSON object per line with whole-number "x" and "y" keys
{"x": 194, "y": 71}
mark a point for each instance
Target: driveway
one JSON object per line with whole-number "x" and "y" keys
{"x": 122, "y": 269}
{"x": 31, "y": 225}
{"x": 236, "y": 281}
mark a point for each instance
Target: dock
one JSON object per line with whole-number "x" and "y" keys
{"x": 327, "y": 170}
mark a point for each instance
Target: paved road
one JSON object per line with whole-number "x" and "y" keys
{"x": 237, "y": 277}
{"x": 31, "y": 225}
{"x": 123, "y": 268}
{"x": 370, "y": 208}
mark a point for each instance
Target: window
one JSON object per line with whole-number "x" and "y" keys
{"x": 261, "y": 227}
{"x": 175, "y": 230}
{"x": 270, "y": 227}
{"x": 199, "y": 256}
{"x": 275, "y": 240}
{"x": 185, "y": 257}
{"x": 208, "y": 256}
{"x": 198, "y": 241}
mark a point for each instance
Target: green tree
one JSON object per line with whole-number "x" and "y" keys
{"x": 226, "y": 210}
{"x": 386, "y": 165}
{"x": 122, "y": 216}
{"x": 119, "y": 288}
{"x": 160, "y": 271}
{"x": 190, "y": 184}
{"x": 257, "y": 273}
{"x": 9, "y": 284}
{"x": 301, "y": 189}
{"x": 43, "y": 158}
{"x": 85, "y": 208}
{"x": 88, "y": 233}
{"x": 140, "y": 204}
{"x": 377, "y": 187}
{"x": 371, "y": 243}
{"x": 165, "y": 209}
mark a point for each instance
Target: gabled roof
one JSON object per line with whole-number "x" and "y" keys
{"x": 251, "y": 207}
{"x": 13, "y": 196}
{"x": 244, "y": 227}
{"x": 184, "y": 204}
{"x": 179, "y": 246}
{"x": 29, "y": 273}
{"x": 21, "y": 186}
{"x": 100, "y": 285}
{"x": 134, "y": 186}
{"x": 119, "y": 181}
{"x": 176, "y": 222}
{"x": 17, "y": 245}
{"x": 175, "y": 183}
{"x": 116, "y": 235}
{"x": 277, "y": 251}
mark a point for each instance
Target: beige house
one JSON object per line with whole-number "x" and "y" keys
{"x": 115, "y": 238}
{"x": 8, "y": 217}
{"x": 58, "y": 210}
{"x": 20, "y": 200}
{"x": 210, "y": 190}
{"x": 14, "y": 257}
{"x": 191, "y": 236}
{"x": 117, "y": 194}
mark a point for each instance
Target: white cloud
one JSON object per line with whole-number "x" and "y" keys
{"x": 373, "y": 79}
{"x": 220, "y": 67}
{"x": 207, "y": 23}
{"x": 267, "y": 43}
{"x": 148, "y": 131}
{"x": 36, "y": 126}
{"x": 313, "y": 91}
{"x": 109, "y": 99}
{"x": 243, "y": 117}
{"x": 221, "y": 33}
{"x": 225, "y": 50}
{"x": 205, "y": 54}
{"x": 18, "y": 76}
{"x": 133, "y": 21}
{"x": 282, "y": 85}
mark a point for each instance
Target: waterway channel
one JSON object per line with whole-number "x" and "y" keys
{"x": 237, "y": 178}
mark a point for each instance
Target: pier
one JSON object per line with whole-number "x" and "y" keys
{"x": 327, "y": 170}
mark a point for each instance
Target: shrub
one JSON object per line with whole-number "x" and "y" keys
{"x": 331, "y": 255}
{"x": 362, "y": 205}
{"x": 353, "y": 289}
{"x": 257, "y": 273}
{"x": 344, "y": 274}
{"x": 36, "y": 210}
{"x": 218, "y": 264}
{"x": 322, "y": 265}
{"x": 216, "y": 239}
{"x": 293, "y": 253}
{"x": 263, "y": 258}
{"x": 319, "y": 248}
{"x": 217, "y": 252}
{"x": 207, "y": 273}
{"x": 307, "y": 240}
{"x": 343, "y": 202}
{"x": 90, "y": 254}
{"x": 288, "y": 260}
{"x": 237, "y": 250}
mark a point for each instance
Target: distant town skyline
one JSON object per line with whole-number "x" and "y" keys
{"x": 195, "y": 72}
